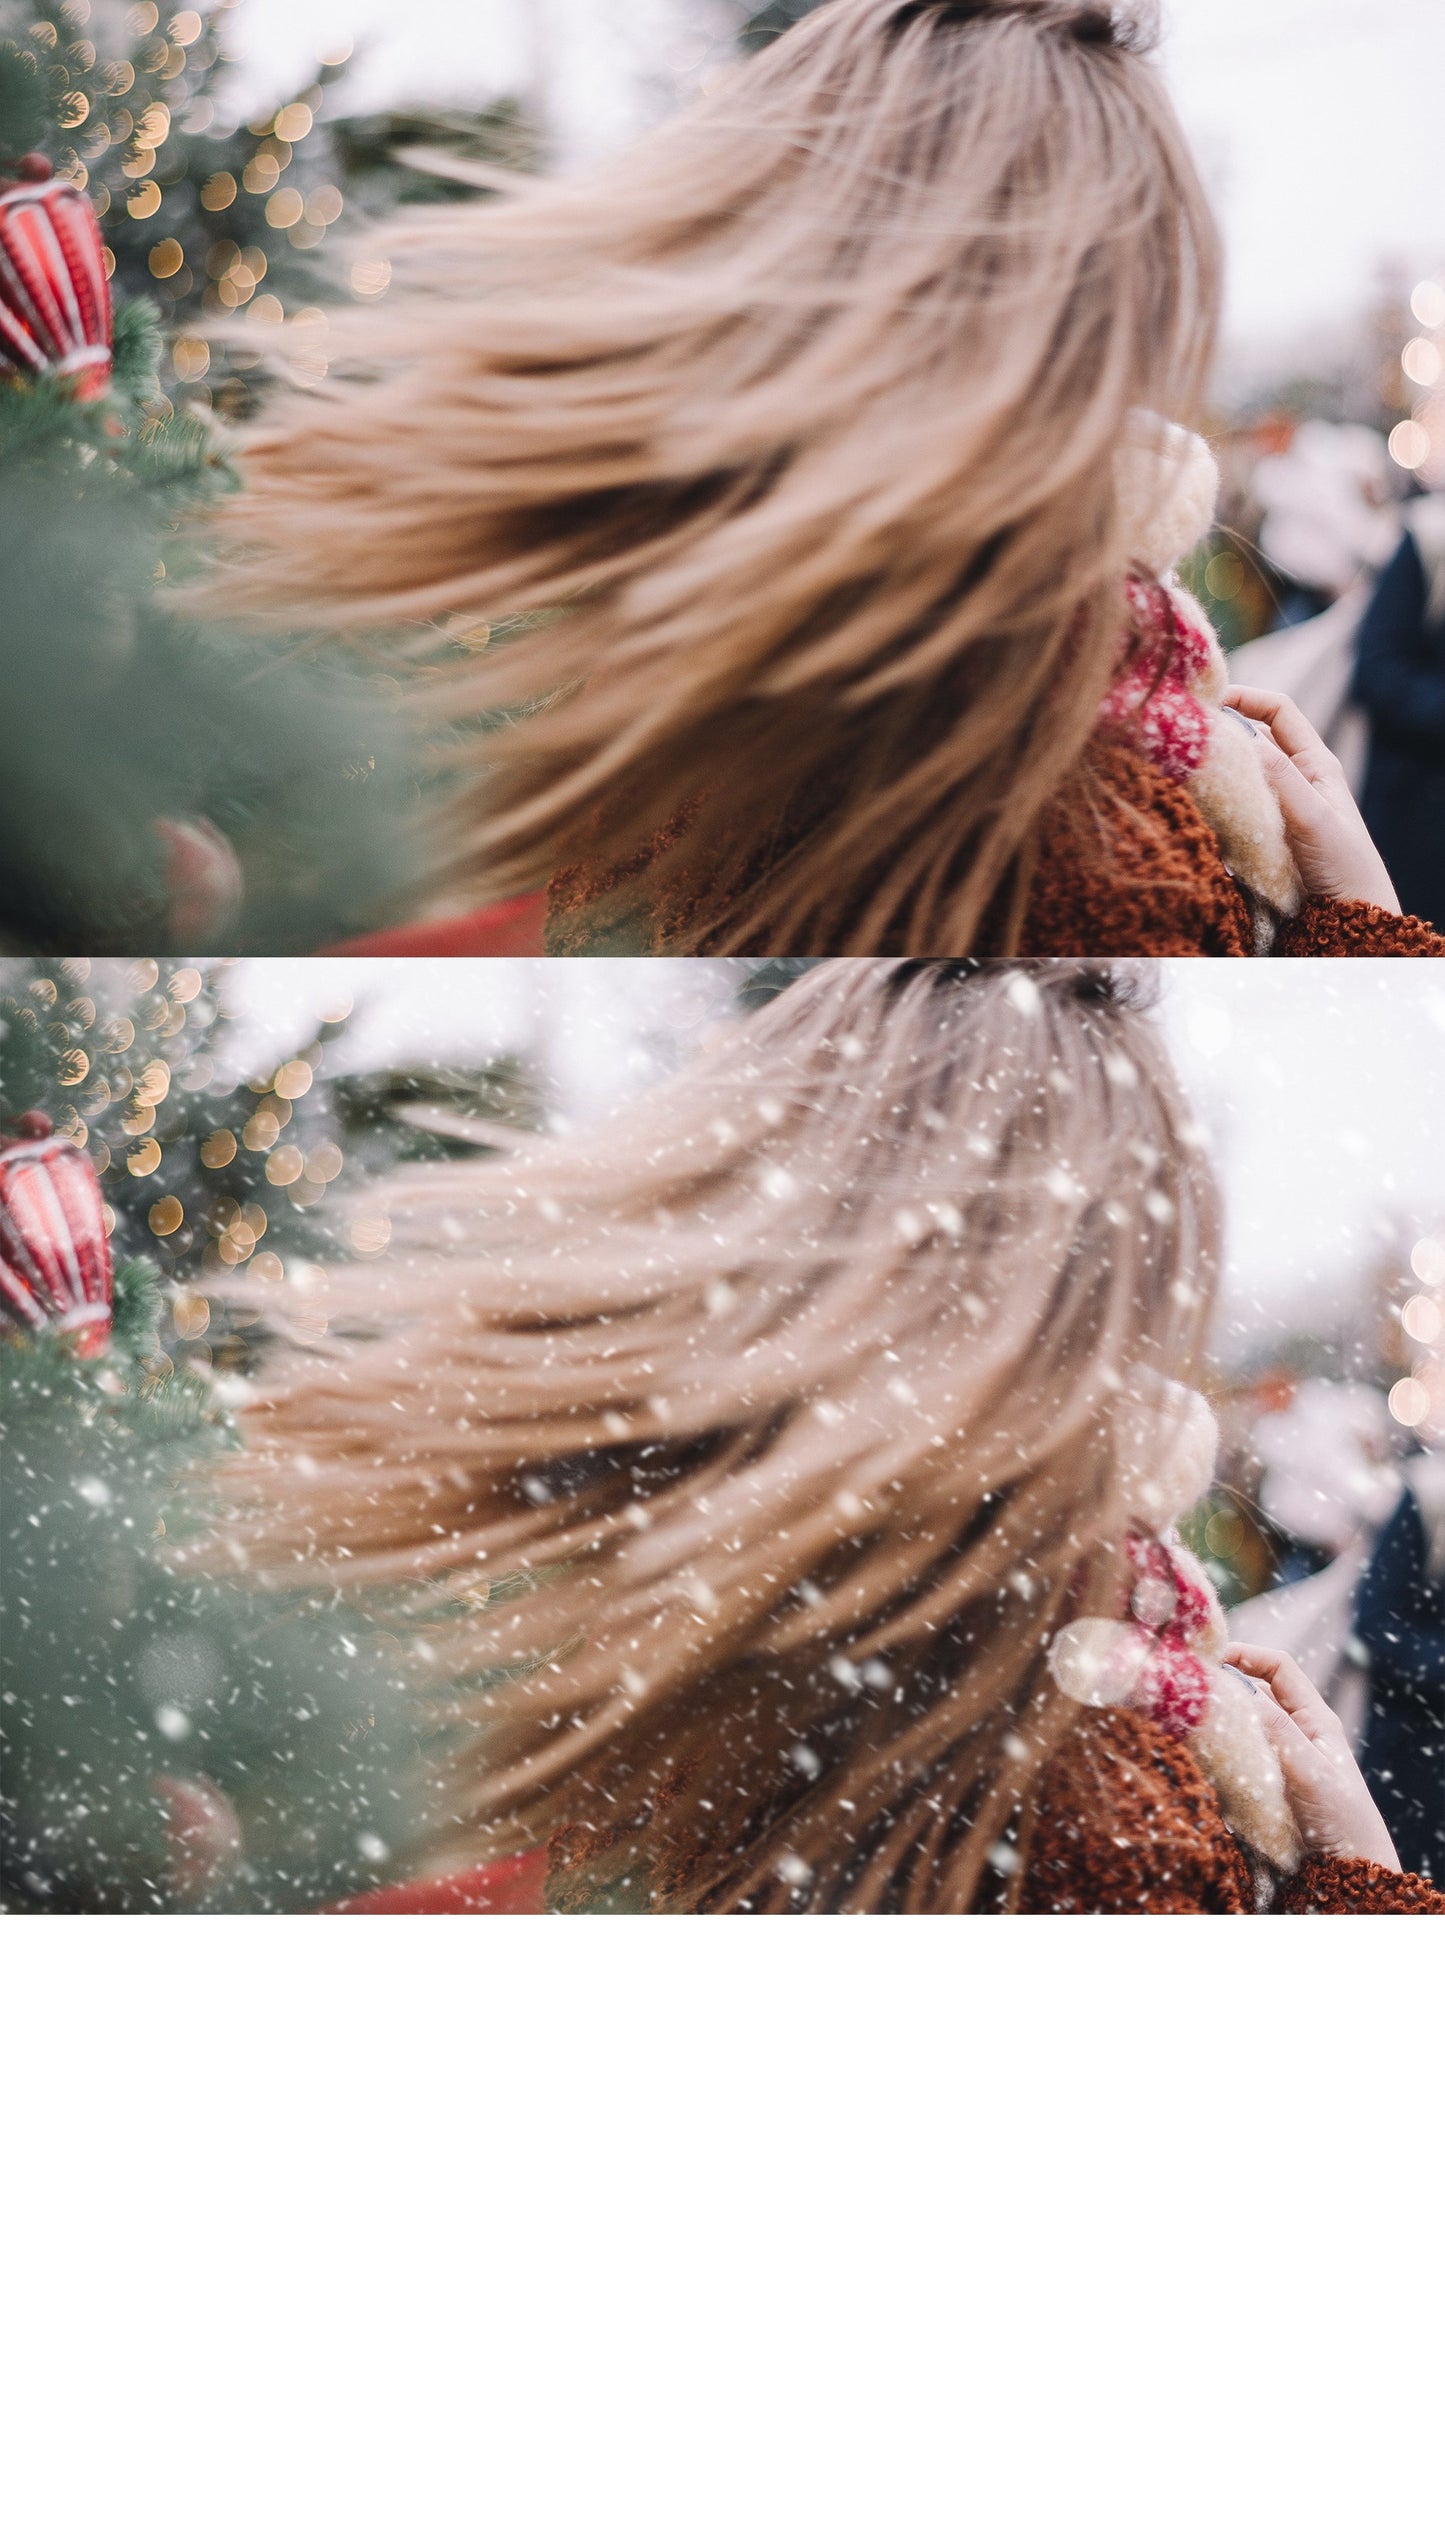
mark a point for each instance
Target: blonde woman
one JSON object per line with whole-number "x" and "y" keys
{"x": 817, "y": 468}
{"x": 782, "y": 1481}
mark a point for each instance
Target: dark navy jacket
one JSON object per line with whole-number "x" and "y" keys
{"x": 1400, "y": 681}
{"x": 1400, "y": 1620}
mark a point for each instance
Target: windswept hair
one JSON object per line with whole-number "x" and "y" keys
{"x": 804, "y": 1401}
{"x": 780, "y": 454}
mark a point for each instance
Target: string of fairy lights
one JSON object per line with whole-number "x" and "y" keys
{"x": 1418, "y": 443}
{"x": 229, "y": 1166}
{"x": 202, "y": 212}
{"x": 1417, "y": 1401}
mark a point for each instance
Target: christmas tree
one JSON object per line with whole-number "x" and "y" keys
{"x": 169, "y": 1737}
{"x": 215, "y": 220}
{"x": 168, "y": 780}
{"x": 162, "y": 780}
{"x": 766, "y": 25}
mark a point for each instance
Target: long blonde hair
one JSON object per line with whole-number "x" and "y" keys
{"x": 780, "y": 456}
{"x": 750, "y": 1450}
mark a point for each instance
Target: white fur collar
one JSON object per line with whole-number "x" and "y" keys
{"x": 1164, "y": 1655}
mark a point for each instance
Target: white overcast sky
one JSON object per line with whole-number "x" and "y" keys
{"x": 1321, "y": 123}
{"x": 1322, "y": 1085}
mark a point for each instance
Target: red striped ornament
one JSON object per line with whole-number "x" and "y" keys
{"x": 55, "y": 314}
{"x": 55, "y": 1267}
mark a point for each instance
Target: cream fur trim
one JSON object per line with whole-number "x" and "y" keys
{"x": 1233, "y": 796}
{"x": 1231, "y": 1747}
{"x": 1168, "y": 493}
{"x": 1101, "y": 1663}
{"x": 1176, "y": 1449}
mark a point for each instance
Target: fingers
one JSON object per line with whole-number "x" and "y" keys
{"x": 1311, "y": 1761}
{"x": 1270, "y": 1665}
{"x": 1287, "y": 1741}
{"x": 1296, "y": 793}
{"x": 1291, "y": 728}
{"x": 1289, "y": 1687}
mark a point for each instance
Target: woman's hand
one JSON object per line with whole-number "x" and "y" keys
{"x": 1327, "y": 1792}
{"x": 1332, "y": 845}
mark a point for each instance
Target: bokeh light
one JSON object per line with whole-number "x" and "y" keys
{"x": 1410, "y": 1403}
{"x": 1410, "y": 445}
{"x": 1423, "y": 1320}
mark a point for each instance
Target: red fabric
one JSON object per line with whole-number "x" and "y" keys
{"x": 1157, "y": 698}
{"x": 513, "y": 1887}
{"x": 500, "y": 930}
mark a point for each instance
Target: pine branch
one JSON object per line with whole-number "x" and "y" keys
{"x": 778, "y": 18}
{"x": 31, "y": 87}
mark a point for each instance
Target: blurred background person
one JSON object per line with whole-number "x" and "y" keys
{"x": 1329, "y": 1480}
{"x": 1329, "y": 1472}
{"x": 1400, "y": 1625}
{"x": 1400, "y": 681}
{"x": 1328, "y": 514}
{"x": 1328, "y": 522}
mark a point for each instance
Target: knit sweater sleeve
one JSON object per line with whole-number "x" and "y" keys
{"x": 1329, "y": 929}
{"x": 1125, "y": 1823}
{"x": 1329, "y": 1887}
{"x": 1127, "y": 867}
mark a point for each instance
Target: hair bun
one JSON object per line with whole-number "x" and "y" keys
{"x": 1131, "y": 29}
{"x": 1105, "y": 983}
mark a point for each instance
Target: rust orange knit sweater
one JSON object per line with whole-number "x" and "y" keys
{"x": 1127, "y": 1824}
{"x": 1151, "y": 884}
